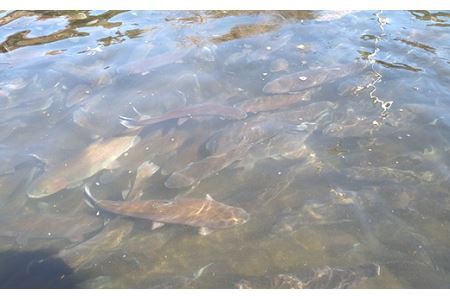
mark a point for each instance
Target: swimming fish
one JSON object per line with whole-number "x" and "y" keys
{"x": 206, "y": 213}
{"x": 196, "y": 171}
{"x": 309, "y": 78}
{"x": 71, "y": 172}
{"x": 205, "y": 109}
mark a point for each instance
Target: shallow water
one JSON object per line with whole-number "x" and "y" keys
{"x": 346, "y": 185}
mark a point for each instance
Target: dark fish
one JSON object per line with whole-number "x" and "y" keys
{"x": 309, "y": 78}
{"x": 205, "y": 213}
{"x": 205, "y": 109}
{"x": 75, "y": 228}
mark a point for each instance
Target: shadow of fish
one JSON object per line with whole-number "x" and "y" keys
{"x": 206, "y": 213}
{"x": 26, "y": 227}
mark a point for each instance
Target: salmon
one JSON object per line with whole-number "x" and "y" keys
{"x": 205, "y": 213}
{"x": 71, "y": 172}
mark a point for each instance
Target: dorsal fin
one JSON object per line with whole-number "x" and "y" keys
{"x": 209, "y": 198}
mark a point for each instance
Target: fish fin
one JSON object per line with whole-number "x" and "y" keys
{"x": 113, "y": 165}
{"x": 89, "y": 199}
{"x": 181, "y": 121}
{"x": 125, "y": 194}
{"x": 138, "y": 113}
{"x": 129, "y": 123}
{"x": 209, "y": 198}
{"x": 205, "y": 231}
{"x": 94, "y": 136}
{"x": 37, "y": 157}
{"x": 157, "y": 225}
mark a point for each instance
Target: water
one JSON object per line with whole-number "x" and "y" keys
{"x": 346, "y": 185}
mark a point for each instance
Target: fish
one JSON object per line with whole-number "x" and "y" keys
{"x": 144, "y": 171}
{"x": 148, "y": 64}
{"x": 249, "y": 132}
{"x": 77, "y": 95}
{"x": 71, "y": 172}
{"x": 75, "y": 228}
{"x": 205, "y": 213}
{"x": 196, "y": 171}
{"x": 204, "y": 109}
{"x": 278, "y": 65}
{"x": 274, "y": 102}
{"x": 381, "y": 174}
{"x": 227, "y": 146}
{"x": 309, "y": 78}
{"x": 244, "y": 31}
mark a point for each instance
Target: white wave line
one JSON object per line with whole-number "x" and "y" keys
{"x": 385, "y": 105}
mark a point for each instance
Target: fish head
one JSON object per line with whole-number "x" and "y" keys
{"x": 231, "y": 216}
{"x": 44, "y": 188}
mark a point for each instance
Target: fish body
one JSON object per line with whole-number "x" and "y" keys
{"x": 198, "y": 212}
{"x": 70, "y": 173}
{"x": 274, "y": 102}
{"x": 196, "y": 171}
{"x": 309, "y": 78}
{"x": 205, "y": 109}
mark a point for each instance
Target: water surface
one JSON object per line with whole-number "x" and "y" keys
{"x": 341, "y": 156}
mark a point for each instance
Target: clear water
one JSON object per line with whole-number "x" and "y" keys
{"x": 362, "y": 181}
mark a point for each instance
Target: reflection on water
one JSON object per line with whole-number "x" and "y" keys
{"x": 224, "y": 149}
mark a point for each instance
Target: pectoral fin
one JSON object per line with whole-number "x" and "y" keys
{"x": 181, "y": 121}
{"x": 157, "y": 225}
{"x": 205, "y": 231}
{"x": 125, "y": 193}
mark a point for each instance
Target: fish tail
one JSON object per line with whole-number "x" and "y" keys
{"x": 89, "y": 199}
